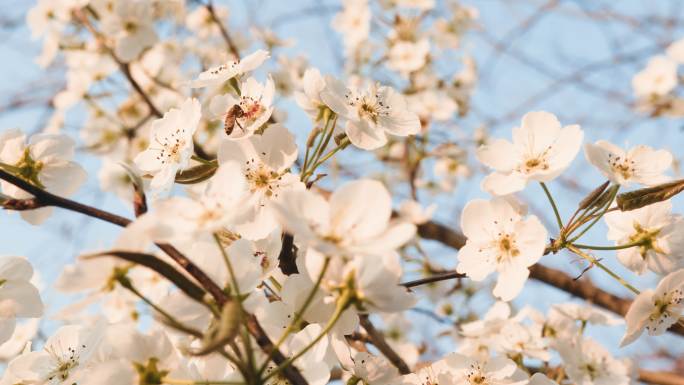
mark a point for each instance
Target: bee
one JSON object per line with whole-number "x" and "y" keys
{"x": 234, "y": 113}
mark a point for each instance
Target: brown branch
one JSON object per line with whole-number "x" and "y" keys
{"x": 222, "y": 28}
{"x": 581, "y": 288}
{"x": 378, "y": 340}
{"x": 124, "y": 67}
{"x": 288, "y": 256}
{"x": 43, "y": 198}
{"x": 660, "y": 378}
{"x": 434, "y": 278}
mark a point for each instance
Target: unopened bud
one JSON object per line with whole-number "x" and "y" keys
{"x": 593, "y": 196}
{"x": 647, "y": 196}
{"x": 223, "y": 330}
{"x": 342, "y": 140}
{"x": 197, "y": 174}
{"x": 312, "y": 136}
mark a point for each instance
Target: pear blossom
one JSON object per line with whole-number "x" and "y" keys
{"x": 541, "y": 150}
{"x": 131, "y": 23}
{"x": 374, "y": 370}
{"x": 309, "y": 98}
{"x": 655, "y": 310}
{"x": 657, "y": 79}
{"x": 370, "y": 113}
{"x": 438, "y": 372}
{"x": 586, "y": 314}
{"x": 255, "y": 100}
{"x": 355, "y": 220}
{"x": 406, "y": 57}
{"x": 132, "y": 354}
{"x": 675, "y": 51}
{"x": 422, "y": 5}
{"x": 218, "y": 75}
{"x": 433, "y": 105}
{"x": 495, "y": 370}
{"x": 21, "y": 338}
{"x": 66, "y": 356}
{"x": 414, "y": 213}
{"x": 660, "y": 232}
{"x": 589, "y": 363}
{"x": 202, "y": 24}
{"x": 500, "y": 239}
{"x": 221, "y": 204}
{"x": 18, "y": 296}
{"x": 640, "y": 164}
{"x": 374, "y": 279}
{"x": 353, "y": 23}
{"x": 541, "y": 379}
{"x": 171, "y": 145}
{"x": 45, "y": 161}
{"x": 265, "y": 161}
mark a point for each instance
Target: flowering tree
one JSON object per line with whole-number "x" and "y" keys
{"x": 255, "y": 252}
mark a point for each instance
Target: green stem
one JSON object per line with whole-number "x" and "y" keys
{"x": 342, "y": 304}
{"x": 553, "y": 204}
{"x": 322, "y": 145}
{"x": 127, "y": 284}
{"x": 238, "y": 297}
{"x": 233, "y": 277}
{"x": 618, "y": 247}
{"x": 343, "y": 144}
{"x": 604, "y": 209}
{"x": 298, "y": 314}
{"x": 596, "y": 262}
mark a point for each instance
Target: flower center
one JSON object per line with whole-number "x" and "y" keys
{"x": 622, "y": 166}
{"x": 647, "y": 238}
{"x": 171, "y": 147}
{"x": 28, "y": 169}
{"x": 261, "y": 177}
{"x": 251, "y": 108}
{"x": 65, "y": 363}
{"x": 591, "y": 370}
{"x": 130, "y": 27}
{"x": 475, "y": 375}
{"x": 535, "y": 163}
{"x": 507, "y": 248}
{"x": 663, "y": 308}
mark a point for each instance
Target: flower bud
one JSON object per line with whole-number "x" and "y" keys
{"x": 197, "y": 174}
{"x": 647, "y": 196}
{"x": 593, "y": 196}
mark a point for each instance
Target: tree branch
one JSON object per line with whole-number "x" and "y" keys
{"x": 43, "y": 198}
{"x": 222, "y": 28}
{"x": 580, "y": 288}
{"x": 377, "y": 339}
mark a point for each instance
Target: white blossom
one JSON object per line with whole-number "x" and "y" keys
{"x": 640, "y": 164}
{"x": 45, "y": 162}
{"x": 657, "y": 79}
{"x": 370, "y": 113}
{"x": 655, "y": 310}
{"x": 218, "y": 75}
{"x": 500, "y": 239}
{"x": 541, "y": 150}
{"x": 170, "y": 145}
{"x": 659, "y": 232}
{"x": 18, "y": 296}
{"x": 255, "y": 101}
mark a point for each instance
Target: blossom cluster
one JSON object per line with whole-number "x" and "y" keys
{"x": 247, "y": 262}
